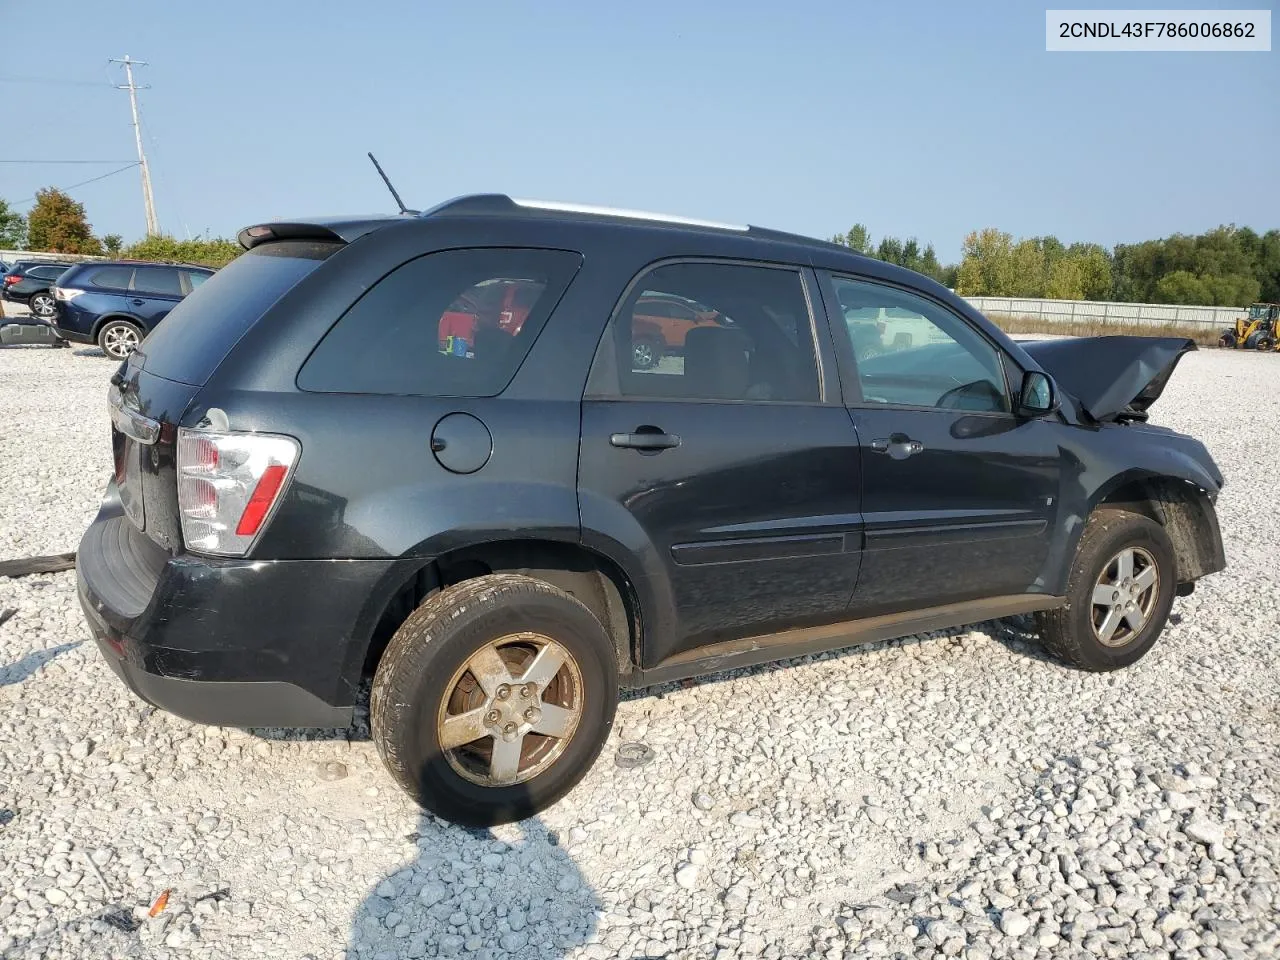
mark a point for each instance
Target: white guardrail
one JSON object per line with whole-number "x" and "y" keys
{"x": 1067, "y": 311}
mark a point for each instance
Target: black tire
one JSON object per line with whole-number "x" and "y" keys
{"x": 418, "y": 670}
{"x": 1228, "y": 339}
{"x": 646, "y": 354}
{"x": 1251, "y": 341}
{"x": 119, "y": 338}
{"x": 1265, "y": 343}
{"x": 1068, "y": 632}
{"x": 42, "y": 305}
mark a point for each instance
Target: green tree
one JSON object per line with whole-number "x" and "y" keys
{"x": 13, "y": 228}
{"x": 210, "y": 251}
{"x": 1066, "y": 280}
{"x": 858, "y": 239}
{"x": 57, "y": 224}
{"x": 1181, "y": 286}
{"x": 1028, "y": 271}
{"x": 112, "y": 243}
{"x": 986, "y": 268}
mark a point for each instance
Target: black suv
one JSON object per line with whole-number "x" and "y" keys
{"x": 419, "y": 449}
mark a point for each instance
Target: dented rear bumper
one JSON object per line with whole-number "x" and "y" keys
{"x": 234, "y": 643}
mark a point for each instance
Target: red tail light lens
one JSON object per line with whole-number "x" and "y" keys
{"x": 264, "y": 494}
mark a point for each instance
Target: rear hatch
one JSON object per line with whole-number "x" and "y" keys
{"x": 153, "y": 389}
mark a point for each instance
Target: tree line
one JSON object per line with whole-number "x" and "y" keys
{"x": 1228, "y": 266}
{"x": 59, "y": 224}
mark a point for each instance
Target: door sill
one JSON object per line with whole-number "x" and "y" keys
{"x": 750, "y": 651}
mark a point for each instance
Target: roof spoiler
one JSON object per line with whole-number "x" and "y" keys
{"x": 250, "y": 237}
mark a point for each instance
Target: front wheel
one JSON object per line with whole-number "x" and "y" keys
{"x": 1265, "y": 343}
{"x": 1119, "y": 593}
{"x": 494, "y": 698}
{"x": 42, "y": 305}
{"x": 119, "y": 338}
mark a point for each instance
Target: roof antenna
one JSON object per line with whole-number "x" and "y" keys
{"x": 387, "y": 181}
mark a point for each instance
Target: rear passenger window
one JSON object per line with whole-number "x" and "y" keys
{"x": 710, "y": 331}
{"x": 112, "y": 278}
{"x": 158, "y": 280}
{"x": 452, "y": 324}
{"x": 195, "y": 278}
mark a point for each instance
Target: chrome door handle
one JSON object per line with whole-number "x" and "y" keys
{"x": 898, "y": 446}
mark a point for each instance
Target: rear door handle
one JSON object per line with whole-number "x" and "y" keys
{"x": 138, "y": 303}
{"x": 899, "y": 446}
{"x": 642, "y": 439}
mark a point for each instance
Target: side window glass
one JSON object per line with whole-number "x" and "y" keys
{"x": 112, "y": 278}
{"x": 158, "y": 280}
{"x": 452, "y": 324}
{"x": 911, "y": 351}
{"x": 710, "y": 331}
{"x": 195, "y": 278}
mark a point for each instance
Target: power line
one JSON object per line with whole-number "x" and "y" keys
{"x": 56, "y": 81}
{"x": 128, "y": 166}
{"x": 39, "y": 162}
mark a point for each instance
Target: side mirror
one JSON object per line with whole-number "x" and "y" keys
{"x": 1038, "y": 395}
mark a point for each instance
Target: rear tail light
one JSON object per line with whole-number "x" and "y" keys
{"x": 65, "y": 293}
{"x": 11, "y": 280}
{"x": 228, "y": 486}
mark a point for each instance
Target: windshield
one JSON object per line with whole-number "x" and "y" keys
{"x": 202, "y": 329}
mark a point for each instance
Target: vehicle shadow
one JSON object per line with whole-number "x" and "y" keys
{"x": 512, "y": 891}
{"x": 95, "y": 352}
{"x": 20, "y": 670}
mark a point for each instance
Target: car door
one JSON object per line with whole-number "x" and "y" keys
{"x": 730, "y": 470}
{"x": 959, "y": 493}
{"x": 155, "y": 291}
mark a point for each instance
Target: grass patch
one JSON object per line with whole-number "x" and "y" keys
{"x": 1203, "y": 335}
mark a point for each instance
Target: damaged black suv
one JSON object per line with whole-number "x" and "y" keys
{"x": 425, "y": 449}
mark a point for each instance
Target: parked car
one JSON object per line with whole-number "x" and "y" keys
{"x": 660, "y": 324}
{"x": 29, "y": 282}
{"x": 116, "y": 304}
{"x": 310, "y": 488}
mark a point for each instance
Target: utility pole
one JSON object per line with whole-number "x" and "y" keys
{"x": 148, "y": 201}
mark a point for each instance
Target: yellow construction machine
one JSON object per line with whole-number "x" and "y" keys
{"x": 1258, "y": 330}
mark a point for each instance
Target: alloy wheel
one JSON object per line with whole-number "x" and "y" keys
{"x": 510, "y": 711}
{"x": 42, "y": 305}
{"x": 1124, "y": 596}
{"x": 120, "y": 340}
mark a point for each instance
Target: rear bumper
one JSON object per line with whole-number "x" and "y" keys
{"x": 234, "y": 643}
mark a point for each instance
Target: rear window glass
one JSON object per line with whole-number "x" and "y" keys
{"x": 112, "y": 278}
{"x": 452, "y": 324}
{"x": 202, "y": 329}
{"x": 161, "y": 280}
{"x": 46, "y": 273}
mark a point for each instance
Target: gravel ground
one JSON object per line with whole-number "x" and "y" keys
{"x": 954, "y": 794}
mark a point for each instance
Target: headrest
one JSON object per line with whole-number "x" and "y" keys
{"x": 717, "y": 363}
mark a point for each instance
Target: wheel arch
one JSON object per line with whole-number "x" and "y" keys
{"x": 106, "y": 318}
{"x": 1182, "y": 506}
{"x": 594, "y": 579}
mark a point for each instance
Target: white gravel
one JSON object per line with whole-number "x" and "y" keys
{"x": 952, "y": 795}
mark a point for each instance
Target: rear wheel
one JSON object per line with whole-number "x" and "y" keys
{"x": 1251, "y": 341}
{"x": 42, "y": 305}
{"x": 119, "y": 338}
{"x": 1265, "y": 343}
{"x": 1119, "y": 593}
{"x": 494, "y": 698}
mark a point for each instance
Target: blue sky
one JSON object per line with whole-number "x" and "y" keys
{"x": 924, "y": 119}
